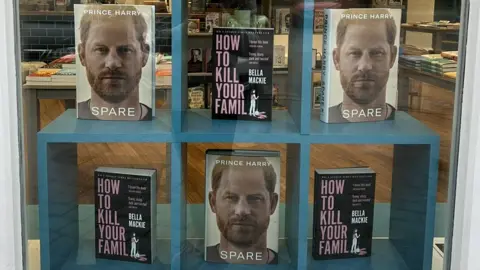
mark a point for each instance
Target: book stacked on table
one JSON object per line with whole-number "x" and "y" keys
{"x": 42, "y": 75}
{"x": 163, "y": 70}
{"x": 411, "y": 61}
{"x": 65, "y": 75}
{"x": 436, "y": 64}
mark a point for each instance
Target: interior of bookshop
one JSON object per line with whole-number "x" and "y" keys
{"x": 335, "y": 117}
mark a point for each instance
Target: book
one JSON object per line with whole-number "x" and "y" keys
{"x": 125, "y": 214}
{"x": 279, "y": 56}
{"x": 283, "y": 18}
{"x": 318, "y": 21}
{"x": 357, "y": 87}
{"x": 195, "y": 62}
{"x": 196, "y": 97}
{"x": 344, "y": 202}
{"x": 193, "y": 26}
{"x": 248, "y": 181}
{"x": 115, "y": 73}
{"x": 208, "y": 60}
{"x": 42, "y": 75}
{"x": 242, "y": 74}
{"x": 208, "y": 96}
{"x": 212, "y": 19}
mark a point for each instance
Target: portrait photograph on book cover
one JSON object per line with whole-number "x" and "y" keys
{"x": 115, "y": 62}
{"x": 362, "y": 68}
{"x": 242, "y": 208}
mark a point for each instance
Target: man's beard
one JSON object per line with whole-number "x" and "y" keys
{"x": 244, "y": 235}
{"x": 363, "y": 87}
{"x": 116, "y": 90}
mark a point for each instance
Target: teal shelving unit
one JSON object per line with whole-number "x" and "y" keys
{"x": 414, "y": 178}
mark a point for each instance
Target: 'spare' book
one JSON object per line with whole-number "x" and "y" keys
{"x": 115, "y": 62}
{"x": 360, "y": 65}
{"x": 242, "y": 206}
{"x": 343, "y": 213}
{"x": 242, "y": 74}
{"x": 125, "y": 214}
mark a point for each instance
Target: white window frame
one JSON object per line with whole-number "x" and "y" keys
{"x": 466, "y": 222}
{"x": 11, "y": 188}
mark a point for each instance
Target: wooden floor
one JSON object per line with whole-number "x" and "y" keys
{"x": 436, "y": 112}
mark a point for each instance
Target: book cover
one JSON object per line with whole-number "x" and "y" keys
{"x": 283, "y": 20}
{"x": 242, "y": 206}
{"x": 242, "y": 75}
{"x": 343, "y": 213}
{"x": 279, "y": 56}
{"x": 208, "y": 95}
{"x": 318, "y": 21}
{"x": 195, "y": 62}
{"x": 193, "y": 26}
{"x": 212, "y": 19}
{"x": 196, "y": 97}
{"x": 360, "y": 65}
{"x": 125, "y": 214}
{"x": 115, "y": 72}
{"x": 208, "y": 60}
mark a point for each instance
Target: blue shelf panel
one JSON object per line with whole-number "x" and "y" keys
{"x": 384, "y": 256}
{"x": 84, "y": 259}
{"x": 194, "y": 259}
{"x": 403, "y": 130}
{"x": 67, "y": 128}
{"x": 198, "y": 126}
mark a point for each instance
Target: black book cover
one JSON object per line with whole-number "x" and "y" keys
{"x": 125, "y": 214}
{"x": 343, "y": 213}
{"x": 242, "y": 74}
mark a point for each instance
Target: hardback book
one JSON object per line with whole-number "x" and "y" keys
{"x": 242, "y": 74}
{"x": 193, "y": 26}
{"x": 249, "y": 182}
{"x": 284, "y": 20}
{"x": 196, "y": 97}
{"x": 358, "y": 87}
{"x": 125, "y": 214}
{"x": 279, "y": 56}
{"x": 208, "y": 96}
{"x": 208, "y": 60}
{"x": 195, "y": 62}
{"x": 113, "y": 85}
{"x": 343, "y": 213}
{"x": 318, "y": 21}
{"x": 212, "y": 19}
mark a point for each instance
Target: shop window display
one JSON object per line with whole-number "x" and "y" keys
{"x": 196, "y": 134}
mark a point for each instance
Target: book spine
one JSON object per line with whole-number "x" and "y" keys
{"x": 325, "y": 84}
{"x": 153, "y": 215}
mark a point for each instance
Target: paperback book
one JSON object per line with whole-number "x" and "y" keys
{"x": 195, "y": 63}
{"x": 343, "y": 213}
{"x": 242, "y": 206}
{"x": 242, "y": 74}
{"x": 196, "y": 97}
{"x": 115, "y": 73}
{"x": 358, "y": 87}
{"x": 125, "y": 214}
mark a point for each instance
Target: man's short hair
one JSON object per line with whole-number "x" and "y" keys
{"x": 391, "y": 27}
{"x": 138, "y": 21}
{"x": 269, "y": 174}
